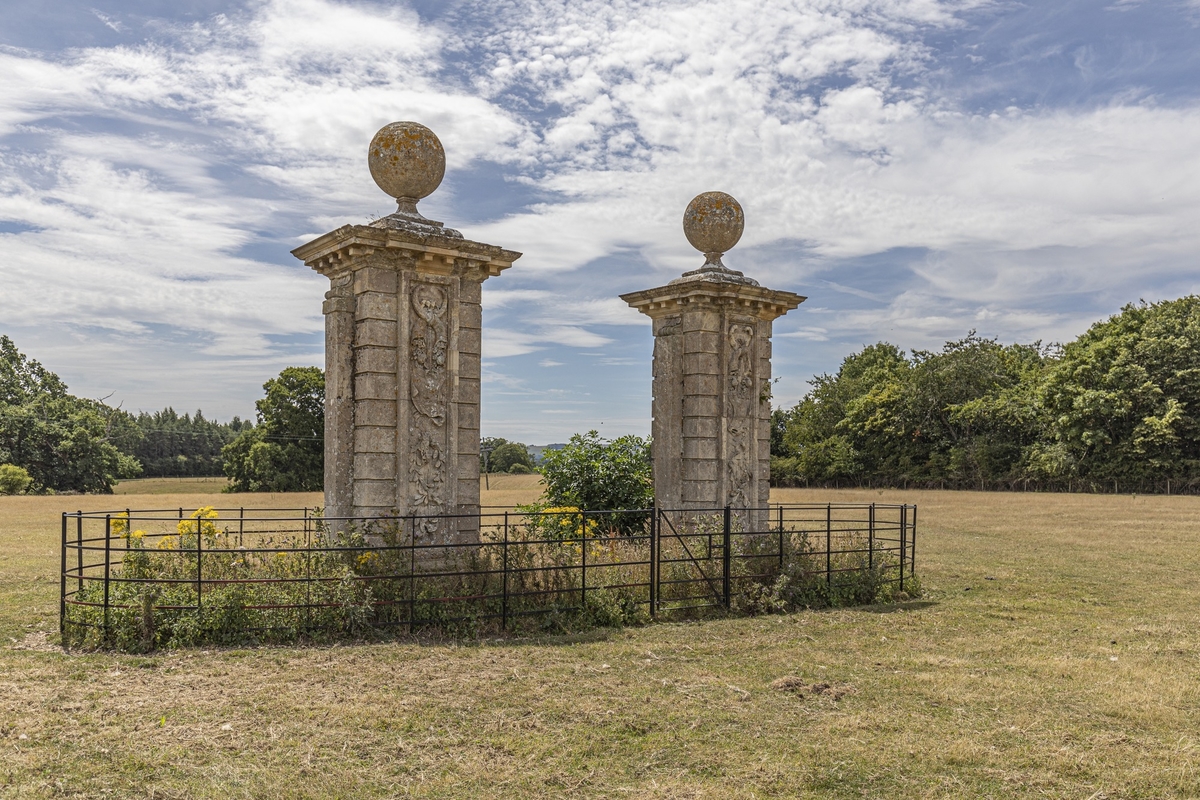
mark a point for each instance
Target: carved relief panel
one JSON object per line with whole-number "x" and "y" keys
{"x": 740, "y": 410}
{"x": 429, "y": 339}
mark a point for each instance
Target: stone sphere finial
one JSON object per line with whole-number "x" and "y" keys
{"x": 408, "y": 162}
{"x": 713, "y": 223}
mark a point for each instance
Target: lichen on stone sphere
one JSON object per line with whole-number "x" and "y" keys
{"x": 407, "y": 160}
{"x": 713, "y": 222}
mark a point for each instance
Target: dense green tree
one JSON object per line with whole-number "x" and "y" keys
{"x": 65, "y": 443}
{"x": 185, "y": 445}
{"x": 1114, "y": 408}
{"x": 284, "y": 452}
{"x": 508, "y": 455}
{"x": 964, "y": 415}
{"x": 487, "y": 446}
{"x": 1125, "y": 399}
{"x": 846, "y": 416}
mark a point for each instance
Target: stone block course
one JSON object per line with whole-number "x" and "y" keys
{"x": 700, "y": 384}
{"x": 374, "y": 440}
{"x": 375, "y": 359}
{"x": 375, "y": 386}
{"x": 701, "y": 342}
{"x": 375, "y": 333}
{"x": 375, "y": 413}
{"x": 375, "y": 466}
{"x": 701, "y": 364}
{"x": 375, "y": 305}
{"x": 694, "y": 448}
{"x": 702, "y": 406}
{"x": 372, "y": 279}
{"x": 375, "y": 493}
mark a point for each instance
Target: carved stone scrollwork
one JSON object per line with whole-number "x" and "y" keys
{"x": 740, "y": 399}
{"x": 429, "y": 341}
{"x": 339, "y": 297}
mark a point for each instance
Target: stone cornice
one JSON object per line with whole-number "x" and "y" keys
{"x": 766, "y": 304}
{"x": 340, "y": 249}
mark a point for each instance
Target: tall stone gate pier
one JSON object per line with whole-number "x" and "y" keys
{"x": 402, "y": 350}
{"x": 712, "y": 372}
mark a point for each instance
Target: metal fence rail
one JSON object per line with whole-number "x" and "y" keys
{"x": 294, "y": 570}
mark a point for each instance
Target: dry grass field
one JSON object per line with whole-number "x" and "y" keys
{"x": 171, "y": 486}
{"x": 1056, "y": 654}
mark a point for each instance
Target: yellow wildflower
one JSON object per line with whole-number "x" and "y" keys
{"x": 205, "y": 514}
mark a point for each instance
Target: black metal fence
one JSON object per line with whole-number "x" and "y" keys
{"x": 138, "y": 579}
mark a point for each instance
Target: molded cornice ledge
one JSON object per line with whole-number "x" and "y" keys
{"x": 766, "y": 304}
{"x": 348, "y": 246}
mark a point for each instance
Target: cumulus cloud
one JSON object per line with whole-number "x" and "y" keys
{"x": 155, "y": 187}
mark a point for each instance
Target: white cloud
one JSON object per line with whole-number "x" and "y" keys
{"x": 145, "y": 180}
{"x": 109, "y": 22}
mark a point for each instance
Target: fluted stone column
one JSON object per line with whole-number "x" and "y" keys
{"x": 711, "y": 424}
{"x": 402, "y": 351}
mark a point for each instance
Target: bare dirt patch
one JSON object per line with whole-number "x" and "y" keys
{"x": 802, "y": 688}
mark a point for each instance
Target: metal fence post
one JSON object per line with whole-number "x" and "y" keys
{"x": 199, "y": 566}
{"x": 912, "y": 545}
{"x": 62, "y": 581}
{"x": 725, "y": 556}
{"x": 871, "y": 537}
{"x": 828, "y": 544}
{"x": 241, "y": 525}
{"x": 128, "y": 527}
{"x": 308, "y": 604}
{"x": 504, "y": 602}
{"x": 79, "y": 551}
{"x": 583, "y": 561}
{"x": 107, "y": 561}
{"x": 412, "y": 573}
{"x": 654, "y": 562}
{"x": 781, "y": 537}
{"x": 903, "y": 536}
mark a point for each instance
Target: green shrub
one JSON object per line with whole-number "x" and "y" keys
{"x": 593, "y": 473}
{"x": 13, "y": 479}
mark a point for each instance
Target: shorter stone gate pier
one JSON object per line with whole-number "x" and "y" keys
{"x": 712, "y": 372}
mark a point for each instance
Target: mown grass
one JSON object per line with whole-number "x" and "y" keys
{"x": 1056, "y": 654}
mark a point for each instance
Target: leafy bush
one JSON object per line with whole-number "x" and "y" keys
{"x": 13, "y": 479}
{"x": 593, "y": 473}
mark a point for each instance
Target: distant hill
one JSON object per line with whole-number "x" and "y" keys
{"x": 536, "y": 450}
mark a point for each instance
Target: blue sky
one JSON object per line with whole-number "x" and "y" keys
{"x": 916, "y": 168}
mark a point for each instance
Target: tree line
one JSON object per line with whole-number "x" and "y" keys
{"x": 54, "y": 441}
{"x": 1117, "y": 409}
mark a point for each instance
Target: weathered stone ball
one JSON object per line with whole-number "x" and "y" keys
{"x": 713, "y": 222}
{"x": 407, "y": 160}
